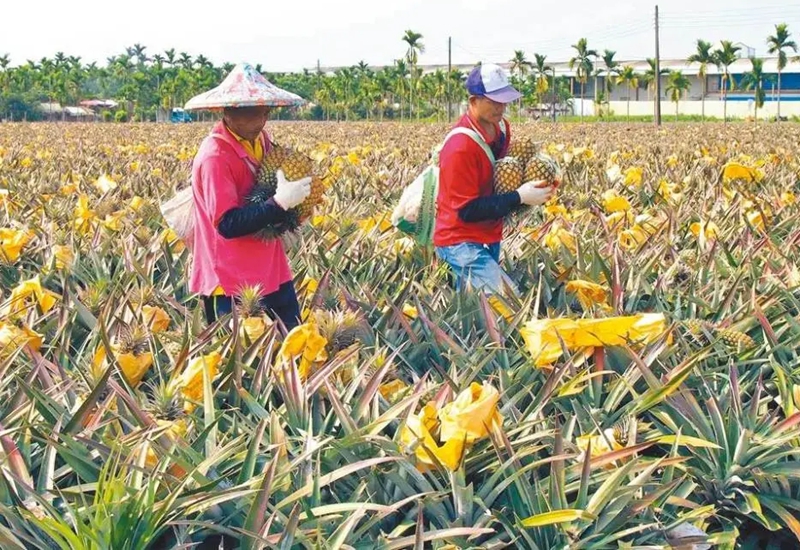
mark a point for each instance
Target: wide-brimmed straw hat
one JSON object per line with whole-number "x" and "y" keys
{"x": 243, "y": 87}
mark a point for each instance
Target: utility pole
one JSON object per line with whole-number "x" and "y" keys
{"x": 553, "y": 93}
{"x": 658, "y": 78}
{"x": 449, "y": 75}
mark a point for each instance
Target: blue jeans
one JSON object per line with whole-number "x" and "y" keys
{"x": 478, "y": 265}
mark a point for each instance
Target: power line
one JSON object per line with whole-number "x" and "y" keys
{"x": 679, "y": 26}
{"x": 637, "y": 26}
{"x": 618, "y": 32}
{"x": 766, "y": 19}
{"x": 757, "y": 8}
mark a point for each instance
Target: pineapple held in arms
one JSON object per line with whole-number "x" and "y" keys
{"x": 542, "y": 168}
{"x": 286, "y": 175}
{"x": 508, "y": 174}
{"x": 523, "y": 149}
{"x": 533, "y": 175}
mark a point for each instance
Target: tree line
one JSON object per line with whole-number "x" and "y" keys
{"x": 145, "y": 84}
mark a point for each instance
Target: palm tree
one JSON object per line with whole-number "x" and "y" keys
{"x": 649, "y": 76}
{"x": 415, "y": 47}
{"x": 584, "y": 64}
{"x": 401, "y": 73}
{"x": 611, "y": 68}
{"x": 754, "y": 80}
{"x": 724, "y": 58}
{"x": 704, "y": 57}
{"x": 777, "y": 44}
{"x": 540, "y": 72}
{"x": 520, "y": 66}
{"x": 628, "y": 77}
{"x": 186, "y": 60}
{"x": 677, "y": 86}
{"x": 170, "y": 55}
{"x": 202, "y": 61}
{"x": 137, "y": 51}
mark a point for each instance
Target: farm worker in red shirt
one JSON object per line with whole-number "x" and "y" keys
{"x": 469, "y": 217}
{"x": 225, "y": 253}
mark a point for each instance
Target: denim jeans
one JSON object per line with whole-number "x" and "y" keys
{"x": 478, "y": 265}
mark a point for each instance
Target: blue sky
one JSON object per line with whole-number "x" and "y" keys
{"x": 285, "y": 36}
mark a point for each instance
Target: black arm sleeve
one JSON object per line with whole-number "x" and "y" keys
{"x": 246, "y": 220}
{"x": 493, "y": 207}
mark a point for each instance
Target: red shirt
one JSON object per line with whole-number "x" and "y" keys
{"x": 466, "y": 173}
{"x": 222, "y": 175}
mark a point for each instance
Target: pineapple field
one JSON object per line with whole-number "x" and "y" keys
{"x": 643, "y": 392}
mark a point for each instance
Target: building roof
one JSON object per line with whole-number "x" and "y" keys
{"x": 110, "y": 103}
{"x": 78, "y": 111}
{"x": 51, "y": 108}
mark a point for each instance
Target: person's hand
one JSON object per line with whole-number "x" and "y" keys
{"x": 534, "y": 193}
{"x": 291, "y": 193}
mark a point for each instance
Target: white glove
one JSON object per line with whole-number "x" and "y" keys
{"x": 534, "y": 193}
{"x": 291, "y": 193}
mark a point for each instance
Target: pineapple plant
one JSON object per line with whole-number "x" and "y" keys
{"x": 295, "y": 166}
{"x": 132, "y": 351}
{"x": 165, "y": 404}
{"x": 95, "y": 295}
{"x": 341, "y": 329}
{"x": 260, "y": 442}
{"x": 252, "y": 318}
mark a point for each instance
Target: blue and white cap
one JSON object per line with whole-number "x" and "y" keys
{"x": 491, "y": 81}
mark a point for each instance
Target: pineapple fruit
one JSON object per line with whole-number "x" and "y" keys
{"x": 523, "y": 163}
{"x": 508, "y": 173}
{"x": 541, "y": 167}
{"x": 622, "y": 431}
{"x": 732, "y": 337}
{"x": 295, "y": 166}
{"x": 523, "y": 149}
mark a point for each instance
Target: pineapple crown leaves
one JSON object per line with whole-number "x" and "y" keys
{"x": 132, "y": 338}
{"x": 163, "y": 399}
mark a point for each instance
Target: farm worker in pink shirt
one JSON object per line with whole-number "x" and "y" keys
{"x": 226, "y": 255}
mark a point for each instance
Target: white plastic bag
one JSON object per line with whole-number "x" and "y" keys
{"x": 178, "y": 212}
{"x": 408, "y": 206}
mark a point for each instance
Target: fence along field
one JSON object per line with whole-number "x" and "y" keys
{"x": 402, "y": 414}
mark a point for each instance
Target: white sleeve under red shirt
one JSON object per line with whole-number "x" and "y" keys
{"x": 467, "y": 208}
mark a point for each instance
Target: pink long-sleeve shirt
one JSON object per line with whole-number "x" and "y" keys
{"x": 222, "y": 175}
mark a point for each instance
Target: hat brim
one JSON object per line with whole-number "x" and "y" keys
{"x": 214, "y": 103}
{"x": 504, "y": 95}
{"x": 243, "y": 87}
